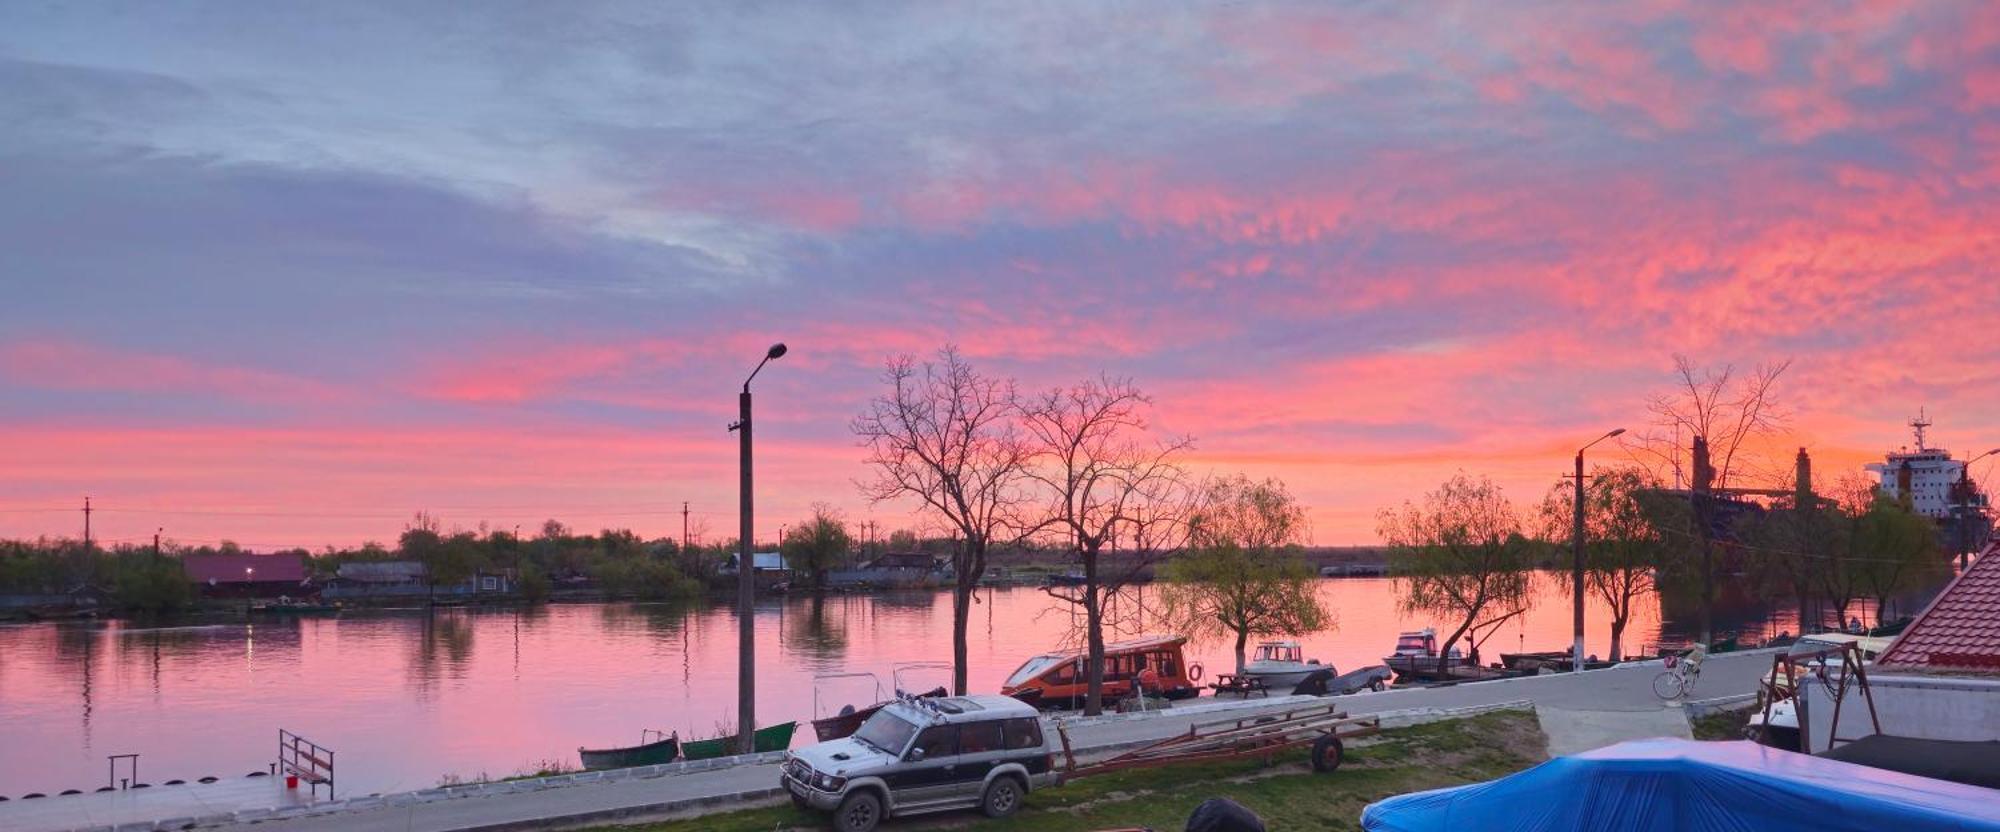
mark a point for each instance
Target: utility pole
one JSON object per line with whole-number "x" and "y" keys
{"x": 156, "y": 542}
{"x": 746, "y": 577}
{"x": 1576, "y": 562}
{"x": 86, "y": 524}
{"x": 684, "y": 526}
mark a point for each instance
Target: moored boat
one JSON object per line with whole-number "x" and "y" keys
{"x": 770, "y": 738}
{"x": 1416, "y": 658}
{"x": 648, "y": 752}
{"x": 1058, "y": 680}
{"x": 1282, "y": 664}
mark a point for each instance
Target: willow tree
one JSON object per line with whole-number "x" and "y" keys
{"x": 1243, "y": 575}
{"x": 1624, "y": 513}
{"x": 1896, "y": 551}
{"x": 818, "y": 545}
{"x": 1104, "y": 479}
{"x": 943, "y": 436}
{"x": 1459, "y": 553}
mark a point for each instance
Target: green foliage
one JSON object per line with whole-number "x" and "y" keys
{"x": 1459, "y": 553}
{"x": 533, "y": 585}
{"x": 1243, "y": 575}
{"x": 818, "y": 545}
{"x": 1625, "y": 517}
{"x": 143, "y": 583}
{"x": 1284, "y": 792}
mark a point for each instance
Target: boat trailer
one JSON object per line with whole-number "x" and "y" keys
{"x": 1323, "y": 727}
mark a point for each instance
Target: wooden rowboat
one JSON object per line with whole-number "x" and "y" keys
{"x": 662, "y": 750}
{"x": 772, "y": 738}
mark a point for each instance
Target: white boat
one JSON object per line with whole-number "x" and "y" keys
{"x": 1282, "y": 665}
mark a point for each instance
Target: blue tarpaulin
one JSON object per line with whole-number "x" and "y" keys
{"x": 1665, "y": 784}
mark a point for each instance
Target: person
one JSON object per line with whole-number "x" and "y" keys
{"x": 1692, "y": 658}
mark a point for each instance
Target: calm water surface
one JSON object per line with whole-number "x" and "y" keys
{"x": 406, "y": 699}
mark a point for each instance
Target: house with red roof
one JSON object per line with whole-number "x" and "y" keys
{"x": 1940, "y": 678}
{"x": 245, "y": 575}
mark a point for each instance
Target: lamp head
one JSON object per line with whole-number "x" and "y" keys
{"x": 1614, "y": 433}
{"x": 776, "y": 351}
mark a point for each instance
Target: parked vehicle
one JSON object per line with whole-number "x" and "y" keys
{"x": 1281, "y": 664}
{"x": 925, "y": 755}
{"x": 1058, "y": 680}
{"x": 648, "y": 752}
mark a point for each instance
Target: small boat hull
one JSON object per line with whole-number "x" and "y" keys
{"x": 771, "y": 738}
{"x": 841, "y": 725}
{"x": 648, "y": 754}
{"x": 1283, "y": 677}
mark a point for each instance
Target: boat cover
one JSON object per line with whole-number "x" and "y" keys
{"x": 1670, "y": 785}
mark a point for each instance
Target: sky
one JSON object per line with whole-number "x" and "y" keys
{"x": 285, "y": 273}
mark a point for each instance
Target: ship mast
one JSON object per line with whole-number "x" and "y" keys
{"x": 1918, "y": 424}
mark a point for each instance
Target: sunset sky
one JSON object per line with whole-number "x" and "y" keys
{"x": 286, "y": 273}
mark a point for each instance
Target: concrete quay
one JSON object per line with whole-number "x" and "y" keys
{"x": 1577, "y": 711}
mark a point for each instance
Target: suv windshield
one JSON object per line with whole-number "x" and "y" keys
{"x": 886, "y": 731}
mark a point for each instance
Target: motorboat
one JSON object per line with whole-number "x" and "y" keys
{"x": 1416, "y": 657}
{"x": 1058, "y": 680}
{"x": 1281, "y": 665}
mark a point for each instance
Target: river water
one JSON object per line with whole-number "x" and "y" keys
{"x": 406, "y": 698}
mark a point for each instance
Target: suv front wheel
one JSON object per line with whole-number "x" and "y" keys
{"x": 1003, "y": 796}
{"x": 860, "y": 812}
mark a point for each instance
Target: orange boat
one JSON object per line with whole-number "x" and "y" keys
{"x": 1057, "y": 680}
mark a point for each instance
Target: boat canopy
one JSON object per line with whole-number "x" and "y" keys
{"x": 1034, "y": 667}
{"x": 1663, "y": 785}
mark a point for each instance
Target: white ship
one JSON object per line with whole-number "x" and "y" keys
{"x": 1936, "y": 484}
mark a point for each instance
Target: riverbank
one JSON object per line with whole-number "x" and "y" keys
{"x": 1574, "y": 710}
{"x": 1287, "y": 794}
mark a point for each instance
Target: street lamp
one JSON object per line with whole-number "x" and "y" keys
{"x": 1965, "y": 509}
{"x": 746, "y": 578}
{"x": 1576, "y": 565}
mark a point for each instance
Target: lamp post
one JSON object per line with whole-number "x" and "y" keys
{"x": 746, "y": 577}
{"x": 1964, "y": 509}
{"x": 1576, "y": 560}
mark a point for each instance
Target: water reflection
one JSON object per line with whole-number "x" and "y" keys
{"x": 407, "y": 697}
{"x": 820, "y": 634}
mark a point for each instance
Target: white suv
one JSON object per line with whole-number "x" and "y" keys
{"x": 925, "y": 755}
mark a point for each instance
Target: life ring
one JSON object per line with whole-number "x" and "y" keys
{"x": 1194, "y": 672}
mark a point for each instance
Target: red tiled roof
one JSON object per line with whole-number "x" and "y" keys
{"x": 1960, "y": 631}
{"x": 228, "y": 569}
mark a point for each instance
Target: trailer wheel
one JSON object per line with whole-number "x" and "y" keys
{"x": 1327, "y": 753}
{"x": 1378, "y": 686}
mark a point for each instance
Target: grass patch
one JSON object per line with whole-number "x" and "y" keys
{"x": 1286, "y": 793}
{"x": 1721, "y": 725}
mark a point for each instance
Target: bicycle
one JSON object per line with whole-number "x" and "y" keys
{"x": 1678, "y": 679}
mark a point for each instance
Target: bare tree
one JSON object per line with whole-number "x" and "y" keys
{"x": 1725, "y": 409}
{"x": 943, "y": 435}
{"x": 1717, "y": 412}
{"x": 1107, "y": 482}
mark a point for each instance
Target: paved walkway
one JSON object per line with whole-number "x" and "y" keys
{"x": 1579, "y": 711}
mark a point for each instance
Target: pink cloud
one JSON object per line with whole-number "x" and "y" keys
{"x": 58, "y": 364}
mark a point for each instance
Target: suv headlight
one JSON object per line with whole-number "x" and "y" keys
{"x": 828, "y": 782}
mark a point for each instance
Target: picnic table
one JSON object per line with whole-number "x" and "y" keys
{"x": 1240, "y": 684}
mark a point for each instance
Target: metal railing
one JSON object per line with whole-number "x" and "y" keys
{"x": 306, "y": 760}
